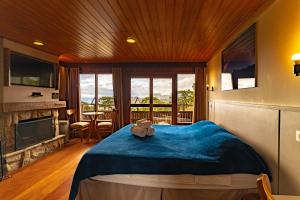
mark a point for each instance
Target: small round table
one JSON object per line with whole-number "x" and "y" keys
{"x": 93, "y": 117}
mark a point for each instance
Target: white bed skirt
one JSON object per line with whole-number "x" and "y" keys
{"x": 166, "y": 187}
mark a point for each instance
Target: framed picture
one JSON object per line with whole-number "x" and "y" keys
{"x": 239, "y": 62}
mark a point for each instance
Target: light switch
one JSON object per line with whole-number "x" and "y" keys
{"x": 298, "y": 136}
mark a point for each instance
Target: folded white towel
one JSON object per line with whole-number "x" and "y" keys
{"x": 144, "y": 124}
{"x": 150, "y": 131}
{"x": 141, "y": 131}
{"x": 138, "y": 131}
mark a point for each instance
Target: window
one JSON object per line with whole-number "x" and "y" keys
{"x": 162, "y": 100}
{"x": 140, "y": 99}
{"x": 105, "y": 92}
{"x": 140, "y": 90}
{"x": 155, "y": 99}
{"x": 87, "y": 92}
{"x": 185, "y": 97}
{"x": 96, "y": 97}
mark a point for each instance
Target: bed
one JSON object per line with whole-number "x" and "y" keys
{"x": 204, "y": 150}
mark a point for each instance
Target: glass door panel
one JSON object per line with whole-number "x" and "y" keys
{"x": 87, "y": 94}
{"x": 137, "y": 113}
{"x": 162, "y": 115}
{"x": 140, "y": 99}
{"x": 185, "y": 97}
{"x": 105, "y": 96}
{"x": 140, "y": 91}
{"x": 162, "y": 101}
{"x": 162, "y": 91}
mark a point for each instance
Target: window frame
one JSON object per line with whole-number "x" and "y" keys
{"x": 173, "y": 105}
{"x": 96, "y": 109}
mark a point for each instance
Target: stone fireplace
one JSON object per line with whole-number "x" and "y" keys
{"x": 33, "y": 131}
{"x": 15, "y": 113}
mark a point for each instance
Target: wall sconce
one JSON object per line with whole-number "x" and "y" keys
{"x": 209, "y": 88}
{"x": 296, "y": 59}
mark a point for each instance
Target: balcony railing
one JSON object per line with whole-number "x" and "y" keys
{"x": 159, "y": 117}
{"x": 162, "y": 117}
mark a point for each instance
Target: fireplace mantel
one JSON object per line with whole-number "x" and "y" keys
{"x": 27, "y": 106}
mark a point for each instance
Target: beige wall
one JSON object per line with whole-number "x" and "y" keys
{"x": 22, "y": 93}
{"x": 278, "y": 38}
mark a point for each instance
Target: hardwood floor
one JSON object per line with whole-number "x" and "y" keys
{"x": 47, "y": 179}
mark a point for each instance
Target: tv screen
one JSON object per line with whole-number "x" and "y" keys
{"x": 29, "y": 71}
{"x": 239, "y": 62}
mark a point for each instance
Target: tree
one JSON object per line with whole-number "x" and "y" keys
{"x": 185, "y": 98}
{"x": 107, "y": 102}
{"x": 155, "y": 100}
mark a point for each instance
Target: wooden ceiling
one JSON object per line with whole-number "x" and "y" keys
{"x": 96, "y": 30}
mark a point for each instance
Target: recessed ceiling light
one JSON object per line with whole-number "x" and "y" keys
{"x": 130, "y": 40}
{"x": 38, "y": 43}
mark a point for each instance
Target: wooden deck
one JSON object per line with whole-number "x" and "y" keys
{"x": 47, "y": 179}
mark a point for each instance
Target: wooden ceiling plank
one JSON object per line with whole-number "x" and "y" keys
{"x": 88, "y": 40}
{"x": 32, "y": 26}
{"x": 129, "y": 13}
{"x": 89, "y": 26}
{"x": 108, "y": 23}
{"x": 95, "y": 30}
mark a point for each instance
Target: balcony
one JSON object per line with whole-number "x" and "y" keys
{"x": 159, "y": 117}
{"x": 162, "y": 117}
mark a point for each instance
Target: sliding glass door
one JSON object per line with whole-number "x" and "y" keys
{"x": 96, "y": 94}
{"x": 163, "y": 100}
{"x": 185, "y": 98}
{"x": 140, "y": 99}
{"x": 151, "y": 98}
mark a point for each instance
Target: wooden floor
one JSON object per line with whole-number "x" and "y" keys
{"x": 46, "y": 179}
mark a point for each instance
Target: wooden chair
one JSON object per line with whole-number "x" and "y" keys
{"x": 264, "y": 187}
{"x": 265, "y": 192}
{"x": 106, "y": 127}
{"x": 79, "y": 127}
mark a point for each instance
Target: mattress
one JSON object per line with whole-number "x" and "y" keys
{"x": 223, "y": 181}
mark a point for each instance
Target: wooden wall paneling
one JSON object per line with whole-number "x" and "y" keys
{"x": 289, "y": 176}
{"x": 95, "y": 31}
{"x": 256, "y": 125}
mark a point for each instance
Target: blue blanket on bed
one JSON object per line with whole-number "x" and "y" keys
{"x": 202, "y": 148}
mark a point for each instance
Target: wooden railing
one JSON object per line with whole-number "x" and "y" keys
{"x": 162, "y": 116}
{"x": 158, "y": 116}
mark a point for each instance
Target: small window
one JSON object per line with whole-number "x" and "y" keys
{"x": 185, "y": 97}
{"x": 87, "y": 93}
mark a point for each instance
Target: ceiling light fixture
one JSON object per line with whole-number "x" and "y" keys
{"x": 38, "y": 43}
{"x": 130, "y": 40}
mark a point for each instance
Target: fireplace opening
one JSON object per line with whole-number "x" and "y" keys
{"x": 33, "y": 131}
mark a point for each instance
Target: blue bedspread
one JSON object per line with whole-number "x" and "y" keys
{"x": 200, "y": 149}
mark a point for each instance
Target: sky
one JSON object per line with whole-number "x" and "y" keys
{"x": 139, "y": 86}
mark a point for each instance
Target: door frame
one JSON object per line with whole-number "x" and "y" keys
{"x": 173, "y": 105}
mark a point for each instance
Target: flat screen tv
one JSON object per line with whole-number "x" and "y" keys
{"x": 239, "y": 62}
{"x": 25, "y": 70}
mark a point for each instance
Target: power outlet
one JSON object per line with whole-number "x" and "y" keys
{"x": 298, "y": 136}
